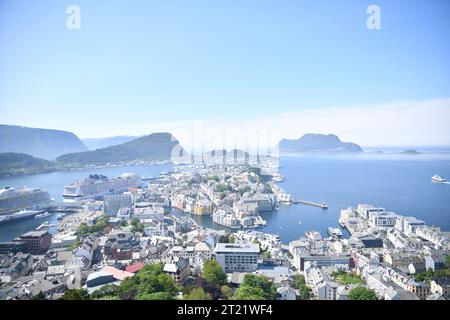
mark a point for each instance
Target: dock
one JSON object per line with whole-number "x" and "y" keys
{"x": 310, "y": 203}
{"x": 45, "y": 225}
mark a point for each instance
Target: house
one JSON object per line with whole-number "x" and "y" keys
{"x": 399, "y": 294}
{"x": 435, "y": 260}
{"x": 86, "y": 249}
{"x": 441, "y": 286}
{"x": 135, "y": 267}
{"x": 120, "y": 245}
{"x": 179, "y": 270}
{"x": 286, "y": 293}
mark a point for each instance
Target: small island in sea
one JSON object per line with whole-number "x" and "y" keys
{"x": 311, "y": 143}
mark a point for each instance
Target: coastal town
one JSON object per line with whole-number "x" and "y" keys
{"x": 132, "y": 237}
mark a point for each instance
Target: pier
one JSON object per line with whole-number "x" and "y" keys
{"x": 310, "y": 203}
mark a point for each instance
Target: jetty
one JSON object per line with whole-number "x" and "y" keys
{"x": 322, "y": 205}
{"x": 45, "y": 225}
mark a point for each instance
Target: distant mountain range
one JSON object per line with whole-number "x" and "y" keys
{"x": 23, "y": 149}
{"x": 99, "y": 143}
{"x": 41, "y": 143}
{"x": 317, "y": 143}
{"x": 154, "y": 147}
{"x": 15, "y": 164}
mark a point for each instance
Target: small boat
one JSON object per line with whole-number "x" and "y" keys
{"x": 42, "y": 215}
{"x": 341, "y": 223}
{"x": 299, "y": 222}
{"x": 60, "y": 216}
{"x": 438, "y": 179}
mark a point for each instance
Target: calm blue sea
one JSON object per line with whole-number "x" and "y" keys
{"x": 399, "y": 183}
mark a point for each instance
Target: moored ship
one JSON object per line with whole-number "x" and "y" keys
{"x": 438, "y": 179}
{"x": 42, "y": 215}
{"x": 18, "y": 216}
{"x": 13, "y": 200}
{"x": 98, "y": 185}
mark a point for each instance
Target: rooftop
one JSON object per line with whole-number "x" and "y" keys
{"x": 237, "y": 247}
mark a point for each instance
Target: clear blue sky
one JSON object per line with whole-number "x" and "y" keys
{"x": 161, "y": 61}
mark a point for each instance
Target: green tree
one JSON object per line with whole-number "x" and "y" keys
{"x": 299, "y": 280}
{"x": 39, "y": 296}
{"x": 256, "y": 287}
{"x": 123, "y": 223}
{"x": 197, "y": 294}
{"x": 447, "y": 261}
{"x": 213, "y": 273}
{"x": 154, "y": 296}
{"x": 305, "y": 292}
{"x": 76, "y": 294}
{"x": 83, "y": 230}
{"x": 136, "y": 225}
{"x": 108, "y": 298}
{"x": 108, "y": 290}
{"x": 249, "y": 293}
{"x": 362, "y": 293}
{"x": 226, "y": 291}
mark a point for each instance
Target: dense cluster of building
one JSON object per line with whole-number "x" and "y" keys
{"x": 385, "y": 251}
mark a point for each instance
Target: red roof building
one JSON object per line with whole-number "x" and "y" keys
{"x": 135, "y": 267}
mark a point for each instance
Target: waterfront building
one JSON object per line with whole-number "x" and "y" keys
{"x": 11, "y": 247}
{"x": 434, "y": 235}
{"x": 112, "y": 203}
{"x": 154, "y": 213}
{"x": 36, "y": 242}
{"x": 239, "y": 257}
{"x": 203, "y": 207}
{"x": 382, "y": 219}
{"x": 365, "y": 210}
{"x": 408, "y": 225}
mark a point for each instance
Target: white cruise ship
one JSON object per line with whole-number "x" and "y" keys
{"x": 15, "y": 199}
{"x": 98, "y": 185}
{"x": 438, "y": 179}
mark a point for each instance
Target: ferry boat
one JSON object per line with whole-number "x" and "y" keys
{"x": 42, "y": 215}
{"x": 438, "y": 179}
{"x": 335, "y": 232}
{"x": 17, "y": 216}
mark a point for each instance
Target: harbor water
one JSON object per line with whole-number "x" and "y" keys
{"x": 399, "y": 183}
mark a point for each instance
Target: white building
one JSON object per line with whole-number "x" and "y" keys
{"x": 112, "y": 203}
{"x": 383, "y": 219}
{"x": 365, "y": 210}
{"x": 237, "y": 257}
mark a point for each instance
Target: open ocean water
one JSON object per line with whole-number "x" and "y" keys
{"x": 399, "y": 183}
